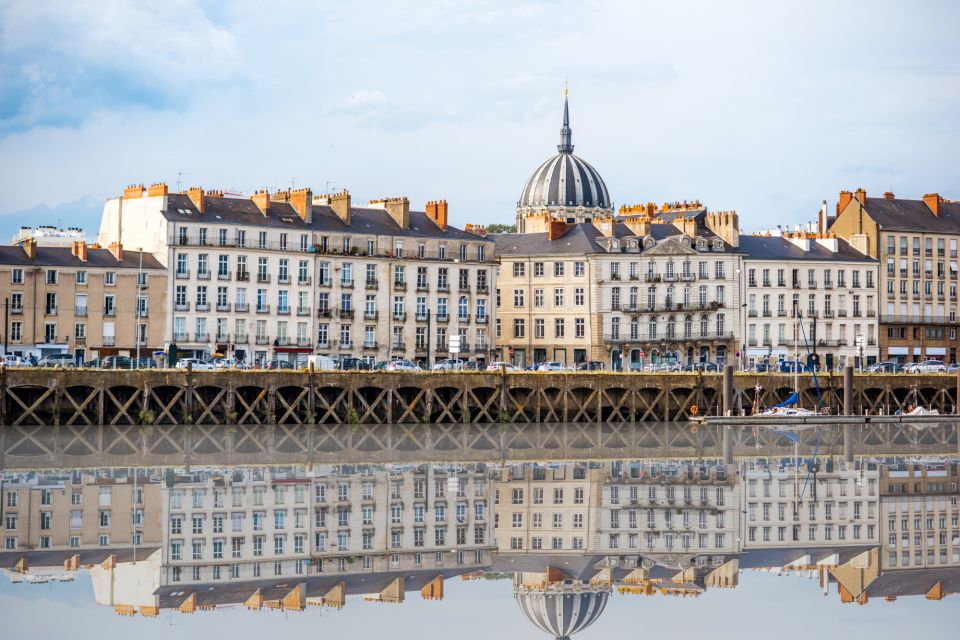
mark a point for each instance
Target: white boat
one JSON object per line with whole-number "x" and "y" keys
{"x": 921, "y": 411}
{"x": 787, "y": 412}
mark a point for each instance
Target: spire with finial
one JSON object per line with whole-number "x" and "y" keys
{"x": 566, "y": 133}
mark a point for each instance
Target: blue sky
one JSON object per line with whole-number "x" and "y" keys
{"x": 765, "y": 108}
{"x": 787, "y": 607}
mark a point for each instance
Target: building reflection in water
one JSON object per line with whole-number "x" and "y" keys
{"x": 567, "y": 534}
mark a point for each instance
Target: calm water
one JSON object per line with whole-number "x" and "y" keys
{"x": 521, "y": 548}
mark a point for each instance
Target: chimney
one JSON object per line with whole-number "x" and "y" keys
{"x": 302, "y": 202}
{"x": 117, "y": 250}
{"x": 30, "y": 247}
{"x": 157, "y": 189}
{"x": 399, "y": 210}
{"x": 196, "y": 197}
{"x": 604, "y": 223}
{"x": 726, "y": 224}
{"x": 888, "y": 195}
{"x": 261, "y": 198}
{"x": 133, "y": 191}
{"x": 556, "y": 229}
{"x": 862, "y": 196}
{"x": 639, "y": 226}
{"x": 822, "y": 220}
{"x": 476, "y": 229}
{"x": 932, "y": 200}
{"x": 687, "y": 226}
{"x": 437, "y": 211}
{"x": 79, "y": 249}
{"x": 340, "y": 203}
{"x": 845, "y": 198}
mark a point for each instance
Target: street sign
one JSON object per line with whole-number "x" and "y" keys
{"x": 455, "y": 344}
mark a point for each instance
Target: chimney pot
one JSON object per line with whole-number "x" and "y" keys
{"x": 340, "y": 203}
{"x": 888, "y": 195}
{"x": 843, "y": 201}
{"x": 261, "y": 198}
{"x": 157, "y": 189}
{"x": 133, "y": 191}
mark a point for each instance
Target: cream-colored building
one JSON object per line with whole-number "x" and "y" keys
{"x": 786, "y": 507}
{"x": 259, "y": 524}
{"x": 920, "y": 517}
{"x": 546, "y": 509}
{"x": 82, "y": 300}
{"x": 653, "y": 286}
{"x": 916, "y": 244}
{"x": 285, "y": 275}
{"x": 662, "y": 509}
{"x": 52, "y": 512}
{"x": 808, "y": 293}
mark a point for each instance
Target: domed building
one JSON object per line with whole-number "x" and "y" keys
{"x": 565, "y": 187}
{"x": 562, "y": 610}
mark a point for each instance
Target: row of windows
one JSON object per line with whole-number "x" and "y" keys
{"x": 812, "y": 281}
{"x": 537, "y": 495}
{"x": 52, "y": 276}
{"x": 782, "y": 534}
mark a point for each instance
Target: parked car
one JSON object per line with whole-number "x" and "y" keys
{"x": 706, "y": 366}
{"x": 354, "y": 364}
{"x": 886, "y": 367}
{"x": 928, "y": 366}
{"x": 473, "y": 365}
{"x": 792, "y": 366}
{"x": 59, "y": 360}
{"x": 276, "y": 365}
{"x": 953, "y": 368}
{"x": 593, "y": 365}
{"x": 197, "y": 363}
{"x": 551, "y": 365}
{"x": 115, "y": 362}
{"x": 403, "y": 365}
{"x": 144, "y": 363}
{"x": 14, "y": 361}
{"x": 450, "y": 364}
{"x": 496, "y": 366}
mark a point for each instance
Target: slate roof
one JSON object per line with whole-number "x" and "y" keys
{"x": 779, "y": 248}
{"x": 914, "y": 582}
{"x": 579, "y": 238}
{"x": 243, "y": 211}
{"x": 899, "y": 214}
{"x": 63, "y": 257}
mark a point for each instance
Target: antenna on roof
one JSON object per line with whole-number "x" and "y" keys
{"x": 180, "y": 174}
{"x": 293, "y": 183}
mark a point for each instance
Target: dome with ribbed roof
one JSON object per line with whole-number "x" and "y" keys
{"x": 563, "y": 613}
{"x": 566, "y": 186}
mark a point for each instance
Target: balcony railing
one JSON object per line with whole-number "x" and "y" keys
{"x": 369, "y": 344}
{"x": 81, "y": 311}
{"x": 482, "y": 319}
{"x": 263, "y": 308}
{"x": 263, "y": 278}
{"x": 201, "y": 337}
{"x": 241, "y": 338}
{"x": 283, "y": 279}
{"x": 182, "y": 274}
{"x": 914, "y": 319}
{"x": 223, "y": 307}
{"x": 371, "y": 284}
{"x": 283, "y": 310}
{"x": 262, "y": 340}
{"x": 243, "y": 276}
{"x": 224, "y": 275}
{"x": 663, "y": 337}
{"x": 303, "y": 281}
{"x": 203, "y": 306}
{"x": 370, "y": 314}
{"x": 241, "y": 307}
{"x": 203, "y": 275}
{"x": 109, "y": 341}
{"x": 303, "y": 311}
{"x": 399, "y": 316}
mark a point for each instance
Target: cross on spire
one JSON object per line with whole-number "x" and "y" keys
{"x": 566, "y": 133}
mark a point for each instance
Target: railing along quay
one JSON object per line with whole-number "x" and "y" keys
{"x": 178, "y": 397}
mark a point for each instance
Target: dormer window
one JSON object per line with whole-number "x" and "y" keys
{"x": 718, "y": 245}
{"x": 701, "y": 244}
{"x": 648, "y": 242}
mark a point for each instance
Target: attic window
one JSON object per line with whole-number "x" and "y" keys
{"x": 287, "y": 220}
{"x": 185, "y": 212}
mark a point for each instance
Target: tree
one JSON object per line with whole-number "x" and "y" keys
{"x": 501, "y": 228}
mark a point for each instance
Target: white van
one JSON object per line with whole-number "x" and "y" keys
{"x": 322, "y": 363}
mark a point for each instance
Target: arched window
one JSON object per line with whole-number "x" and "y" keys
{"x": 687, "y": 326}
{"x": 702, "y": 298}
{"x": 704, "y": 326}
{"x": 686, "y": 297}
{"x": 669, "y": 299}
{"x": 651, "y": 297}
{"x": 671, "y": 328}
{"x": 634, "y": 329}
{"x": 634, "y": 291}
{"x": 720, "y": 325}
{"x": 652, "y": 328}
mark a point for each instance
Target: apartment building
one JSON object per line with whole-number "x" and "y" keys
{"x": 919, "y": 516}
{"x": 916, "y": 244}
{"x": 788, "y": 507}
{"x": 79, "y": 511}
{"x": 809, "y": 296}
{"x": 262, "y": 524}
{"x": 546, "y": 509}
{"x": 81, "y": 300}
{"x": 285, "y": 275}
{"x": 653, "y": 285}
{"x": 659, "y": 508}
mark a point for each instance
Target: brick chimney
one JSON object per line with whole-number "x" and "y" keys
{"x": 340, "y": 203}
{"x": 30, "y": 248}
{"x": 79, "y": 249}
{"x": 196, "y": 197}
{"x": 261, "y": 198}
{"x": 862, "y": 196}
{"x": 476, "y": 229}
{"x": 117, "y": 250}
{"x": 843, "y": 201}
{"x": 639, "y": 226}
{"x": 133, "y": 191}
{"x": 302, "y": 202}
{"x": 437, "y": 211}
{"x": 888, "y": 195}
{"x": 556, "y": 229}
{"x": 932, "y": 200}
{"x": 157, "y": 189}
{"x": 726, "y": 224}
{"x": 399, "y": 210}
{"x": 604, "y": 224}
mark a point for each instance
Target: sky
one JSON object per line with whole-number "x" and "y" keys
{"x": 764, "y": 604}
{"x": 763, "y": 108}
